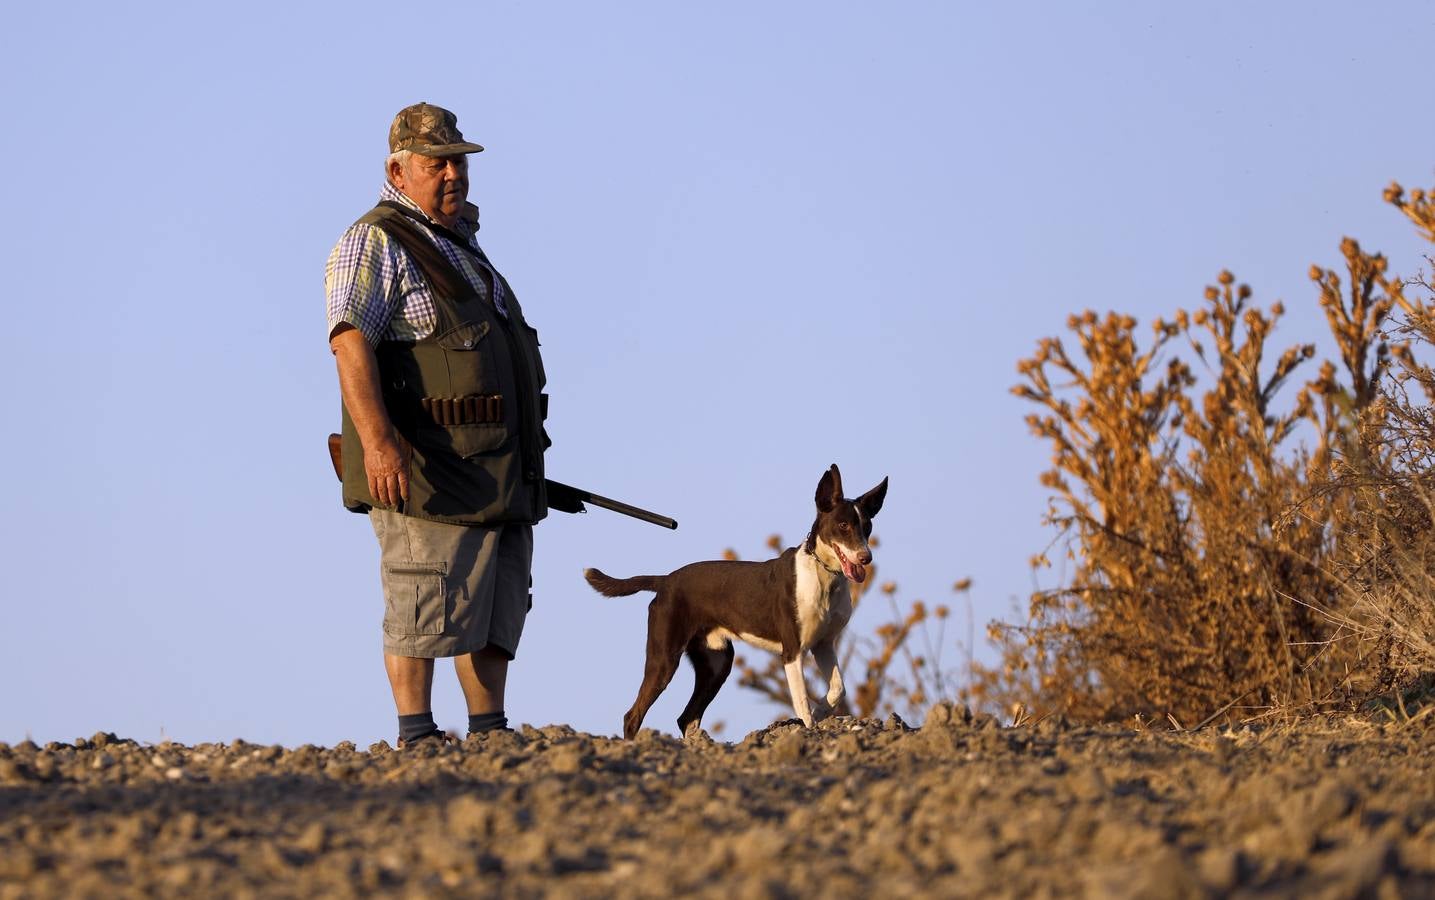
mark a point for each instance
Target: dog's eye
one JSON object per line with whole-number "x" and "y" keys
{"x": 844, "y": 528}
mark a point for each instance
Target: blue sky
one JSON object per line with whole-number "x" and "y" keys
{"x": 756, "y": 239}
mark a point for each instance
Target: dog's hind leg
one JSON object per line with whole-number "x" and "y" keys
{"x": 665, "y": 648}
{"x": 710, "y": 669}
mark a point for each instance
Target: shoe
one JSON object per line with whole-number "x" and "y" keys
{"x": 443, "y": 737}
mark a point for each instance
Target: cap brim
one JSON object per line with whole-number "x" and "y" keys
{"x": 446, "y": 149}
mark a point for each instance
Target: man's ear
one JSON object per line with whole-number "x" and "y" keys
{"x": 829, "y": 489}
{"x": 396, "y": 174}
{"x": 870, "y": 503}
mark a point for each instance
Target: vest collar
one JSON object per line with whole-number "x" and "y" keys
{"x": 467, "y": 221}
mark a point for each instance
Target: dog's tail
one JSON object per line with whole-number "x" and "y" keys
{"x": 622, "y": 587}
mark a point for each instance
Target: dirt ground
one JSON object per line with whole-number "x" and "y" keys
{"x": 1340, "y": 807}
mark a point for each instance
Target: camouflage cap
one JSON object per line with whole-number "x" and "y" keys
{"x": 428, "y": 130}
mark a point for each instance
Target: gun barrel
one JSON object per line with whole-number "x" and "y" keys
{"x": 619, "y": 506}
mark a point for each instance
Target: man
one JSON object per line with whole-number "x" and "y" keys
{"x": 443, "y": 433}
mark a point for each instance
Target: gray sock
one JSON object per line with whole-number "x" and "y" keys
{"x": 494, "y": 721}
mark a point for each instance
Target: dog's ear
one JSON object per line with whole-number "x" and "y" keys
{"x": 870, "y": 503}
{"x": 829, "y": 489}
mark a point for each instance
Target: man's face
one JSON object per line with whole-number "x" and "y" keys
{"x": 438, "y": 184}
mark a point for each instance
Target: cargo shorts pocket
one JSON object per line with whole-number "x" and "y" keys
{"x": 418, "y": 598}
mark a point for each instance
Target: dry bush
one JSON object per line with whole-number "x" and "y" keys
{"x": 1388, "y": 578}
{"x": 901, "y": 663}
{"x": 1229, "y": 553}
{"x": 1199, "y": 515}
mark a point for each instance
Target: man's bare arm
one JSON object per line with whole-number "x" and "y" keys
{"x": 364, "y": 399}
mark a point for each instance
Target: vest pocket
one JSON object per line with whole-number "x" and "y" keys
{"x": 472, "y": 362}
{"x": 471, "y": 440}
{"x": 469, "y": 359}
{"x": 463, "y": 337}
{"x": 463, "y": 441}
{"x": 418, "y": 598}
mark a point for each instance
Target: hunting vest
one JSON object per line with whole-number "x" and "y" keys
{"x": 465, "y": 401}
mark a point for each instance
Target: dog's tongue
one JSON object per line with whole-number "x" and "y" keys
{"x": 855, "y": 571}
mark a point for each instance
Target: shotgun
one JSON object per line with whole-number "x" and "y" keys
{"x": 562, "y": 497}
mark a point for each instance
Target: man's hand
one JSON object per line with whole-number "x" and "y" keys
{"x": 385, "y": 461}
{"x": 388, "y": 472}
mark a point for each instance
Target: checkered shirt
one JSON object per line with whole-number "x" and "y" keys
{"x": 373, "y": 285}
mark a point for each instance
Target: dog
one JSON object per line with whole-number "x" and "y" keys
{"x": 797, "y": 602}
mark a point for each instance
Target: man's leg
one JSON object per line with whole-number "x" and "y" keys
{"x": 482, "y": 676}
{"x": 484, "y": 673}
{"x": 411, "y": 680}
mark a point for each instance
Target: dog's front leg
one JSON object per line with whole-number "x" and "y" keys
{"x": 797, "y": 684}
{"x": 826, "y": 655}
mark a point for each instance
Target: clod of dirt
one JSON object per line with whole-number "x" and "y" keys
{"x": 788, "y": 748}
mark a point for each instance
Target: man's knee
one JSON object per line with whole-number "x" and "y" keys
{"x": 493, "y": 654}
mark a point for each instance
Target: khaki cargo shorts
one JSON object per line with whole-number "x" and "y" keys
{"x": 452, "y": 589}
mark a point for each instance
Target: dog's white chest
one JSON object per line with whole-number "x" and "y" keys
{"x": 823, "y": 602}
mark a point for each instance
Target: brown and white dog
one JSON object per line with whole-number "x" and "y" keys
{"x": 797, "y": 602}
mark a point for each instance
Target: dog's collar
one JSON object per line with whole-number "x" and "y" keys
{"x": 809, "y": 547}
